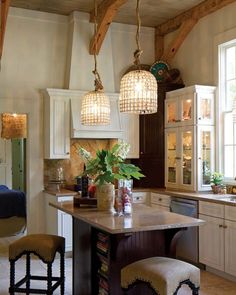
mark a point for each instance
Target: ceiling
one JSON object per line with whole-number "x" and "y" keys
{"x": 153, "y": 12}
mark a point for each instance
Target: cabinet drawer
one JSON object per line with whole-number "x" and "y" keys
{"x": 211, "y": 209}
{"x": 160, "y": 199}
{"x": 140, "y": 197}
{"x": 161, "y": 208}
{"x": 230, "y": 213}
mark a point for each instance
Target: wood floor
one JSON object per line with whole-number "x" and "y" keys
{"x": 210, "y": 283}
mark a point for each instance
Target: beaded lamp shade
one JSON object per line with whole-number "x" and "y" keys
{"x": 138, "y": 93}
{"x": 14, "y": 126}
{"x": 138, "y": 88}
{"x": 95, "y": 108}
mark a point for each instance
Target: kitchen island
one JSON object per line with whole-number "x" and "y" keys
{"x": 104, "y": 243}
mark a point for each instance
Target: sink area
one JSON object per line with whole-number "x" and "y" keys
{"x": 231, "y": 198}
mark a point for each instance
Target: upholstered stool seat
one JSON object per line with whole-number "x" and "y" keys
{"x": 45, "y": 247}
{"x": 163, "y": 275}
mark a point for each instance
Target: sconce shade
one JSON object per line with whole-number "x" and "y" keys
{"x": 14, "y": 126}
{"x": 95, "y": 108}
{"x": 138, "y": 93}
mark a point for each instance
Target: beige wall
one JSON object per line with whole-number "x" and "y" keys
{"x": 196, "y": 57}
{"x": 37, "y": 56}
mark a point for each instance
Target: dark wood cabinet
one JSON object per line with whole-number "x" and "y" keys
{"x": 151, "y": 128}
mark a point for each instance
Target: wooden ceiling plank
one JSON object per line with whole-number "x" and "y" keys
{"x": 159, "y": 45}
{"x": 106, "y": 12}
{"x": 185, "y": 28}
{"x": 204, "y": 8}
{"x": 4, "y": 13}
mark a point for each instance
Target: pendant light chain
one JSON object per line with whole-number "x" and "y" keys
{"x": 97, "y": 82}
{"x": 138, "y": 52}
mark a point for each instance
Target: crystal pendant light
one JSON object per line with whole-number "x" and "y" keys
{"x": 95, "y": 109}
{"x": 138, "y": 88}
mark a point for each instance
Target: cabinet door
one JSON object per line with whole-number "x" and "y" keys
{"x": 205, "y": 107}
{"x": 130, "y": 127}
{"x": 187, "y": 153}
{"x": 171, "y": 112}
{"x": 186, "y": 109}
{"x": 205, "y": 156}
{"x": 211, "y": 242}
{"x": 230, "y": 247}
{"x": 65, "y": 228}
{"x": 57, "y": 127}
{"x": 5, "y": 162}
{"x": 172, "y": 157}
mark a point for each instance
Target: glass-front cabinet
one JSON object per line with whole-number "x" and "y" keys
{"x": 189, "y": 138}
{"x": 190, "y": 106}
{"x": 179, "y": 157}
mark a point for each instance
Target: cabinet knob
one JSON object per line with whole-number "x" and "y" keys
{"x": 199, "y": 118}
{"x": 68, "y": 153}
{"x": 177, "y": 121}
{"x": 141, "y": 153}
{"x": 220, "y": 225}
{"x": 160, "y": 199}
{"x": 199, "y": 158}
{"x": 177, "y": 158}
{"x": 225, "y": 226}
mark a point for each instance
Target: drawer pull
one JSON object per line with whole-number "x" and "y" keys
{"x": 160, "y": 199}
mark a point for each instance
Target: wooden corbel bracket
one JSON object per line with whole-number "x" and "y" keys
{"x": 3, "y": 14}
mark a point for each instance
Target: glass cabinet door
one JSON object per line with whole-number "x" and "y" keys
{"x": 171, "y": 144}
{"x": 186, "y": 109}
{"x": 171, "y": 111}
{"x": 186, "y": 137}
{"x": 205, "y": 155}
{"x": 205, "y": 113}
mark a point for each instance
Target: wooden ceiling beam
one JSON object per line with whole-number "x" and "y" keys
{"x": 185, "y": 28}
{"x": 106, "y": 12}
{"x": 159, "y": 45}
{"x": 199, "y": 11}
{"x": 3, "y": 14}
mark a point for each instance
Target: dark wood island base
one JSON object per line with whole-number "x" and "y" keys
{"x": 99, "y": 256}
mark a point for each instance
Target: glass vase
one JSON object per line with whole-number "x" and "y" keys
{"x": 125, "y": 198}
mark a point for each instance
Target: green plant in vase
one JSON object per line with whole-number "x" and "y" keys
{"x": 217, "y": 182}
{"x": 106, "y": 167}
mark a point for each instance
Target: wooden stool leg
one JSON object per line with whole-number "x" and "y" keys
{"x": 49, "y": 278}
{"x": 195, "y": 291}
{"x": 62, "y": 268}
{"x": 12, "y": 277}
{"x": 28, "y": 273}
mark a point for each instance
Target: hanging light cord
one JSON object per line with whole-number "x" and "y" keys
{"x": 97, "y": 82}
{"x": 138, "y": 51}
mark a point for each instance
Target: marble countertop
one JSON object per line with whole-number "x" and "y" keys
{"x": 143, "y": 218}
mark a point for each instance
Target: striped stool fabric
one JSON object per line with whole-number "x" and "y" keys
{"x": 163, "y": 275}
{"x": 45, "y": 247}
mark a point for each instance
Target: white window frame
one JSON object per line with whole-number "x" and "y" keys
{"x": 222, "y": 103}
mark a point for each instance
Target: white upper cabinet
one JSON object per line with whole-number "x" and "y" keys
{"x": 130, "y": 128}
{"x": 56, "y": 125}
{"x": 190, "y": 106}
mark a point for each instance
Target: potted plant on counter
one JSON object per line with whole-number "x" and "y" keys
{"x": 216, "y": 182}
{"x": 106, "y": 167}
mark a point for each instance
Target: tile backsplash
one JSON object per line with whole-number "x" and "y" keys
{"x": 74, "y": 166}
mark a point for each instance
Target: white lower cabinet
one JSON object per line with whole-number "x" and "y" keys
{"x": 160, "y": 201}
{"x": 58, "y": 222}
{"x": 140, "y": 198}
{"x": 217, "y": 238}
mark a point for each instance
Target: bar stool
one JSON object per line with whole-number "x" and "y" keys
{"x": 164, "y": 276}
{"x": 45, "y": 247}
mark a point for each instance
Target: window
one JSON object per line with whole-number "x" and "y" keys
{"x": 227, "y": 78}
